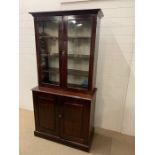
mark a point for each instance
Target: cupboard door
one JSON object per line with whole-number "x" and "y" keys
{"x": 48, "y": 39}
{"x": 79, "y": 33}
{"x": 45, "y": 108}
{"x": 75, "y": 121}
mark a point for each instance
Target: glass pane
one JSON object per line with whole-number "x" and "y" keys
{"x": 79, "y": 37}
{"x": 48, "y": 37}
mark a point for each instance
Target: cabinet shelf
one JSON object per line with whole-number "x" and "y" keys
{"x": 48, "y": 37}
{"x": 80, "y": 37}
{"x": 70, "y": 71}
{"x": 77, "y": 72}
{"x": 51, "y": 82}
{"x": 50, "y": 55}
{"x": 72, "y": 56}
{"x": 78, "y": 56}
{"x": 71, "y": 85}
{"x": 70, "y": 37}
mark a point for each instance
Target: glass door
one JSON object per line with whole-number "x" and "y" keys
{"x": 48, "y": 38}
{"x": 78, "y": 51}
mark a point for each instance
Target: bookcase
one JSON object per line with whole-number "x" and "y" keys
{"x": 64, "y": 100}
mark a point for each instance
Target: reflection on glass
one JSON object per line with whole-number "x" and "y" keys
{"x": 79, "y": 37}
{"x": 48, "y": 28}
{"x": 48, "y": 37}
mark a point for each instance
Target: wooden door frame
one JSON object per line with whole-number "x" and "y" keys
{"x": 86, "y": 105}
{"x": 60, "y": 42}
{"x": 92, "y": 48}
{"x": 36, "y": 96}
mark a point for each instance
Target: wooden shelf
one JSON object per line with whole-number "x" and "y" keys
{"x": 71, "y": 85}
{"x": 79, "y": 37}
{"x": 78, "y": 56}
{"x": 72, "y": 56}
{"x": 70, "y": 71}
{"x": 52, "y": 69}
{"x": 51, "y": 82}
{"x": 50, "y": 55}
{"x": 48, "y": 37}
{"x": 77, "y": 72}
{"x": 56, "y": 38}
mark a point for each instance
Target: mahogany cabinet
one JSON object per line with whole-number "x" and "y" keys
{"x": 64, "y": 100}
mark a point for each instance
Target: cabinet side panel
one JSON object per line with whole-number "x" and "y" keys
{"x": 34, "y": 107}
{"x": 37, "y": 49}
{"x": 92, "y": 52}
{"x": 96, "y": 51}
{"x": 91, "y": 127}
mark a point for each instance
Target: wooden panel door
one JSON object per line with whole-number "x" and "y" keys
{"x": 75, "y": 120}
{"x": 45, "y": 108}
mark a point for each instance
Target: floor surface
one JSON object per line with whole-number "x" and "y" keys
{"x": 102, "y": 144}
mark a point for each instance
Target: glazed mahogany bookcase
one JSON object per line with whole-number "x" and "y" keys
{"x": 64, "y": 100}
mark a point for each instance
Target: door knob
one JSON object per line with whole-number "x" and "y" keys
{"x": 60, "y": 116}
{"x": 63, "y": 53}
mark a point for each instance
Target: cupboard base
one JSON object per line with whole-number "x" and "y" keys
{"x": 63, "y": 141}
{"x": 65, "y": 117}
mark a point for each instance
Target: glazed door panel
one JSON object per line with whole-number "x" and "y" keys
{"x": 46, "y": 113}
{"x": 75, "y": 120}
{"x": 78, "y": 46}
{"x": 49, "y": 36}
{"x": 64, "y": 51}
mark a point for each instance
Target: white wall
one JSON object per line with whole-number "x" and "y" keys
{"x": 128, "y": 125}
{"x": 27, "y": 55}
{"x": 115, "y": 81}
